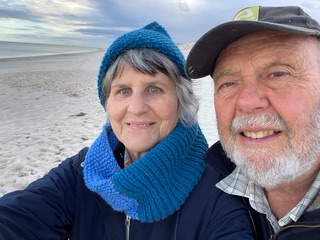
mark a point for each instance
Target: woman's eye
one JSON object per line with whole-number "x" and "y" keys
{"x": 124, "y": 91}
{"x": 153, "y": 89}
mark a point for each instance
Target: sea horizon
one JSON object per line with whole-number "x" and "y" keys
{"x": 25, "y": 49}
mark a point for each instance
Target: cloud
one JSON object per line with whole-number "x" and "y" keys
{"x": 99, "y": 31}
{"x": 184, "y": 6}
{"x": 97, "y": 21}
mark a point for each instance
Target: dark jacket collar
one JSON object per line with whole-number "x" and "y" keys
{"x": 217, "y": 158}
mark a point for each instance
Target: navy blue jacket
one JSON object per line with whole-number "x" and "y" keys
{"x": 217, "y": 158}
{"x": 59, "y": 206}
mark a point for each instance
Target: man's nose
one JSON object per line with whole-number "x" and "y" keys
{"x": 252, "y": 98}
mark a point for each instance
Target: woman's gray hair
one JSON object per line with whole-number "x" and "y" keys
{"x": 150, "y": 62}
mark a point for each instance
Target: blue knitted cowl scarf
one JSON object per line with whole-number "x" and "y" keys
{"x": 154, "y": 185}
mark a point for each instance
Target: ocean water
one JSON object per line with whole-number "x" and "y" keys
{"x": 18, "y": 49}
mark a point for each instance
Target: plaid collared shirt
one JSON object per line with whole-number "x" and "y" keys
{"x": 238, "y": 184}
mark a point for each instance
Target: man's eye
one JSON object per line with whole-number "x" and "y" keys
{"x": 226, "y": 84}
{"x": 278, "y": 74}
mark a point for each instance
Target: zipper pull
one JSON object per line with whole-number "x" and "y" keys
{"x": 127, "y": 224}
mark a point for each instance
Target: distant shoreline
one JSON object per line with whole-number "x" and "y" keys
{"x": 49, "y": 44}
{"x": 9, "y": 50}
{"x": 2, "y": 59}
{"x": 59, "y": 62}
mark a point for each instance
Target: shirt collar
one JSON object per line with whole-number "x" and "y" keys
{"x": 238, "y": 184}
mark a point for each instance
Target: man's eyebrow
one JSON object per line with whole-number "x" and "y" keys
{"x": 223, "y": 73}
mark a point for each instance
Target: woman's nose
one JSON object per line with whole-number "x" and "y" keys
{"x": 138, "y": 104}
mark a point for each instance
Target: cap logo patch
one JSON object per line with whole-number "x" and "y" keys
{"x": 250, "y": 13}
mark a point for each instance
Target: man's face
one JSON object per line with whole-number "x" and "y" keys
{"x": 267, "y": 102}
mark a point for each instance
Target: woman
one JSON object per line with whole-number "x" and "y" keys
{"x": 144, "y": 176}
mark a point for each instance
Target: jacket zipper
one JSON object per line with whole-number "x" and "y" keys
{"x": 127, "y": 224}
{"x": 274, "y": 236}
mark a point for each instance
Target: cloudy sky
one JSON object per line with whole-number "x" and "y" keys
{"x": 96, "y": 23}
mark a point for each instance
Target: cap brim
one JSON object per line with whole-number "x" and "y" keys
{"x": 202, "y": 57}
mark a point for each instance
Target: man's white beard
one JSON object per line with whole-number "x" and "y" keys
{"x": 269, "y": 169}
{"x": 281, "y": 168}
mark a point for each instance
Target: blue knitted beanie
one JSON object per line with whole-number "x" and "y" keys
{"x": 152, "y": 36}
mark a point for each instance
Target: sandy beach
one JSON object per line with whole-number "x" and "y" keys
{"x": 49, "y": 110}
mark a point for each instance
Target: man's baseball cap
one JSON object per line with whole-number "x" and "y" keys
{"x": 292, "y": 19}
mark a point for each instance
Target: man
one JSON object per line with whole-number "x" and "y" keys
{"x": 266, "y": 70}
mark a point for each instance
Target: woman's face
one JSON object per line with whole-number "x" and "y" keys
{"x": 142, "y": 109}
